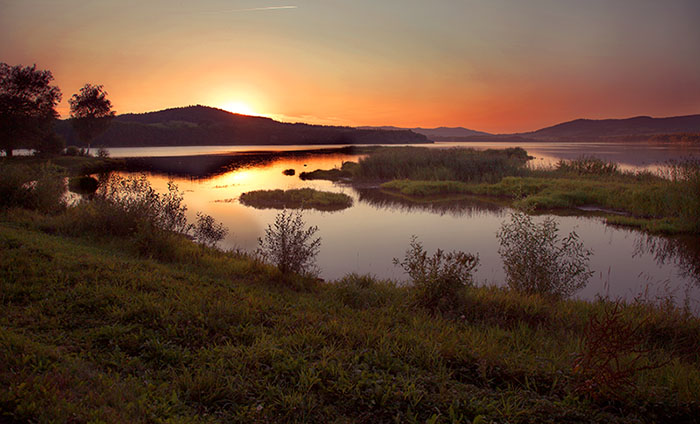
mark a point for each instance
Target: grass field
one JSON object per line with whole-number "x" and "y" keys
{"x": 93, "y": 330}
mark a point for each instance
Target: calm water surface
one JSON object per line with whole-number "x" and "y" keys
{"x": 377, "y": 228}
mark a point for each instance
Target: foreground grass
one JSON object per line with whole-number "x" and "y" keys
{"x": 296, "y": 199}
{"x": 90, "y": 331}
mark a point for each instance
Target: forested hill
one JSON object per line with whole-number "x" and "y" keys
{"x": 206, "y": 126}
{"x": 642, "y": 127}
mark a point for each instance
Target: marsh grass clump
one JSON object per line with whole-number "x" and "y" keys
{"x": 302, "y": 198}
{"x": 587, "y": 165}
{"x": 538, "y": 260}
{"x": 347, "y": 171}
{"x": 290, "y": 245}
{"x": 684, "y": 190}
{"x": 459, "y": 164}
{"x": 439, "y": 280}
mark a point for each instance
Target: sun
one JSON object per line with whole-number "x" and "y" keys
{"x": 238, "y": 107}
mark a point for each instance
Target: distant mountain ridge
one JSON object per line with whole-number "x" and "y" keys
{"x": 642, "y": 126}
{"x": 439, "y": 132}
{"x": 627, "y": 129}
{"x": 203, "y": 125}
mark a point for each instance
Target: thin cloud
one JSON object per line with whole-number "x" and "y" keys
{"x": 255, "y": 9}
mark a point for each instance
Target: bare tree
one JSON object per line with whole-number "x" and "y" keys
{"x": 91, "y": 113}
{"x": 27, "y": 105}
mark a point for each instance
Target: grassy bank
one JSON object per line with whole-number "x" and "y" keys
{"x": 651, "y": 203}
{"x": 303, "y": 198}
{"x": 93, "y": 331}
{"x": 667, "y": 203}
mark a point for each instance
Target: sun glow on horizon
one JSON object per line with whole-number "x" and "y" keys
{"x": 239, "y": 107}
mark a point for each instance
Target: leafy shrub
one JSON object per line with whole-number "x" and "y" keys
{"x": 41, "y": 189}
{"x": 102, "y": 152}
{"x": 290, "y": 245}
{"x": 538, "y": 260}
{"x": 72, "y": 151}
{"x": 83, "y": 184}
{"x": 439, "y": 280}
{"x": 207, "y": 231}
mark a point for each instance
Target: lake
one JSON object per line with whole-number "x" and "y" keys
{"x": 377, "y": 228}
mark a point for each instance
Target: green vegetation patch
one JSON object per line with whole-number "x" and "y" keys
{"x": 459, "y": 164}
{"x": 92, "y": 332}
{"x": 649, "y": 200}
{"x": 345, "y": 172}
{"x": 303, "y": 198}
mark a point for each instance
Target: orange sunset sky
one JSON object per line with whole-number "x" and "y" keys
{"x": 490, "y": 65}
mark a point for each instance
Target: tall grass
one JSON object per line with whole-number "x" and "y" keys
{"x": 459, "y": 164}
{"x": 42, "y": 188}
{"x": 301, "y": 198}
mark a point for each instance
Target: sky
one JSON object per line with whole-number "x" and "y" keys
{"x": 499, "y": 66}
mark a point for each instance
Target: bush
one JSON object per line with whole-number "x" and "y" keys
{"x": 207, "y": 231}
{"x": 51, "y": 144}
{"x": 289, "y": 245}
{"x": 438, "y": 281}
{"x": 83, "y": 185}
{"x": 537, "y": 260}
{"x": 72, "y": 151}
{"x": 102, "y": 152}
{"x": 41, "y": 189}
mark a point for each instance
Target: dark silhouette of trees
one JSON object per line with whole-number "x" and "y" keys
{"x": 91, "y": 113}
{"x": 51, "y": 144}
{"x": 27, "y": 105}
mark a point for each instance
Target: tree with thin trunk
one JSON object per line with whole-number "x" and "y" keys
{"x": 27, "y": 106}
{"x": 91, "y": 113}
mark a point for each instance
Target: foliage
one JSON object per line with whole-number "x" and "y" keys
{"x": 207, "y": 231}
{"x": 27, "y": 105}
{"x": 51, "y": 144}
{"x": 459, "y": 164}
{"x": 289, "y": 244}
{"x": 83, "y": 184}
{"x": 587, "y": 165}
{"x": 302, "y": 198}
{"x": 346, "y": 171}
{"x": 72, "y": 151}
{"x": 102, "y": 152}
{"x": 40, "y": 189}
{"x": 439, "y": 280}
{"x": 537, "y": 260}
{"x": 91, "y": 113}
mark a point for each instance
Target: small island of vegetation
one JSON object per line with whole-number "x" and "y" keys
{"x": 303, "y": 198}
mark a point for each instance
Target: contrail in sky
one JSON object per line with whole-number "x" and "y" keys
{"x": 255, "y": 9}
